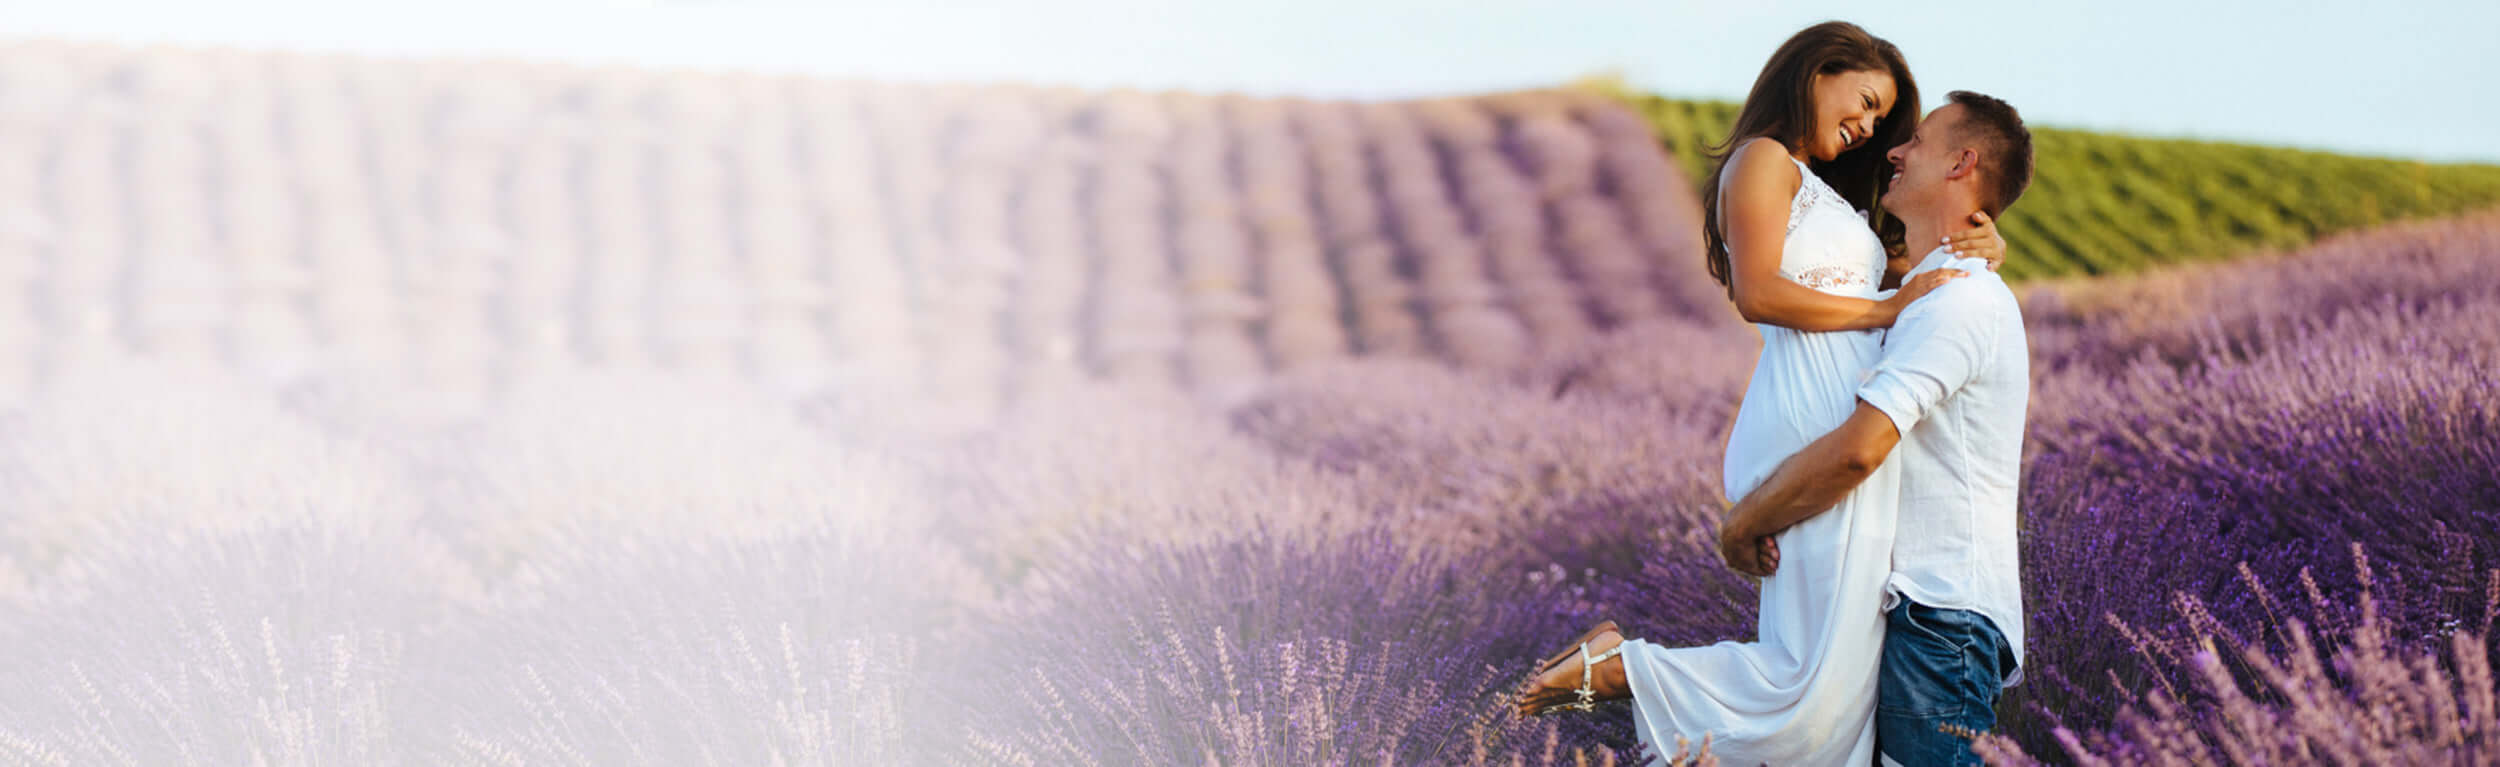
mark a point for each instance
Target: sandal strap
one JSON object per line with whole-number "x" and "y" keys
{"x": 1588, "y": 666}
{"x": 1587, "y": 691}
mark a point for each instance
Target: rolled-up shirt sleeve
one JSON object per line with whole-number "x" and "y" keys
{"x": 1937, "y": 345}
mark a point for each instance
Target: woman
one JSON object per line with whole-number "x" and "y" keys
{"x": 1786, "y": 238}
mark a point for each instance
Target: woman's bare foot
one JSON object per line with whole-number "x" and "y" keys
{"x": 1560, "y": 681}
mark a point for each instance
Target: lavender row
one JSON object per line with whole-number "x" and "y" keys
{"x": 465, "y": 221}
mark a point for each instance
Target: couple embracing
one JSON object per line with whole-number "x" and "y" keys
{"x": 1874, "y": 460}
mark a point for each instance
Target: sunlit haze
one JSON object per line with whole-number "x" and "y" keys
{"x": 2396, "y": 79}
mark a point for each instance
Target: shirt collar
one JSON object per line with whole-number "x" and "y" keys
{"x": 1944, "y": 259}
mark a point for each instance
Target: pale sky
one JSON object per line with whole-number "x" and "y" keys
{"x": 2384, "y": 78}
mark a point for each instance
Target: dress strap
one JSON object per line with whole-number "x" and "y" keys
{"x": 1809, "y": 187}
{"x": 1797, "y": 203}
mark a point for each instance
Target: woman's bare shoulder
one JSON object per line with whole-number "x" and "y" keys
{"x": 1762, "y": 160}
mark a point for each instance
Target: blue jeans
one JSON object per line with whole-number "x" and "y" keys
{"x": 1938, "y": 688}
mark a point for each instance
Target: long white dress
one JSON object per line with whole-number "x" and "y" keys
{"x": 1802, "y": 693}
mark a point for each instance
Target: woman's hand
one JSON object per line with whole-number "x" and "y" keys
{"x": 1916, "y": 286}
{"x": 1981, "y": 242}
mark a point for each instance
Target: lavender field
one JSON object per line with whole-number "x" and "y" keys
{"x": 492, "y": 412}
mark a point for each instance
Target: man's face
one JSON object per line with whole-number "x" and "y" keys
{"x": 1922, "y": 164}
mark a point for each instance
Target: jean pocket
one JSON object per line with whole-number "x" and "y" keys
{"x": 1924, "y": 663}
{"x": 1943, "y": 636}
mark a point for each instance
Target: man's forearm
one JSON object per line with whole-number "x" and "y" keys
{"x": 1800, "y": 488}
{"x": 1817, "y": 477}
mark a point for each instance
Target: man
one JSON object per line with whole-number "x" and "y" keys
{"x": 1950, "y": 391}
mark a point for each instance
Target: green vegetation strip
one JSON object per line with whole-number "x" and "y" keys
{"x": 2106, "y": 204}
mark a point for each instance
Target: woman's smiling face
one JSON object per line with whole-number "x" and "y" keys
{"x": 1846, "y": 108}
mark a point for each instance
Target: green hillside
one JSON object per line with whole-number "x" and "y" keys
{"x": 2103, "y": 203}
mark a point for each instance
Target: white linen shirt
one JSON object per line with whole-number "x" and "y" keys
{"x": 1955, "y": 377}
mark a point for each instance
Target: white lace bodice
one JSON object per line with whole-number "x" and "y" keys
{"x": 1829, "y": 246}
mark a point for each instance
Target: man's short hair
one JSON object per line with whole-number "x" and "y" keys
{"x": 1996, "y": 130}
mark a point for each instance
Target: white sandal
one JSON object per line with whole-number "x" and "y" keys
{"x": 1587, "y": 690}
{"x": 1588, "y": 693}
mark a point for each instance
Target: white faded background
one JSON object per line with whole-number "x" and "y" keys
{"x": 473, "y": 410}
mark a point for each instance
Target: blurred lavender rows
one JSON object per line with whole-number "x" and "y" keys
{"x": 457, "y": 222}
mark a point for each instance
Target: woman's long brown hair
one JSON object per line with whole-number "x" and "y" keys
{"x": 1781, "y": 106}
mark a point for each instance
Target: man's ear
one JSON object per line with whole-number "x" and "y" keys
{"x": 1964, "y": 164}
